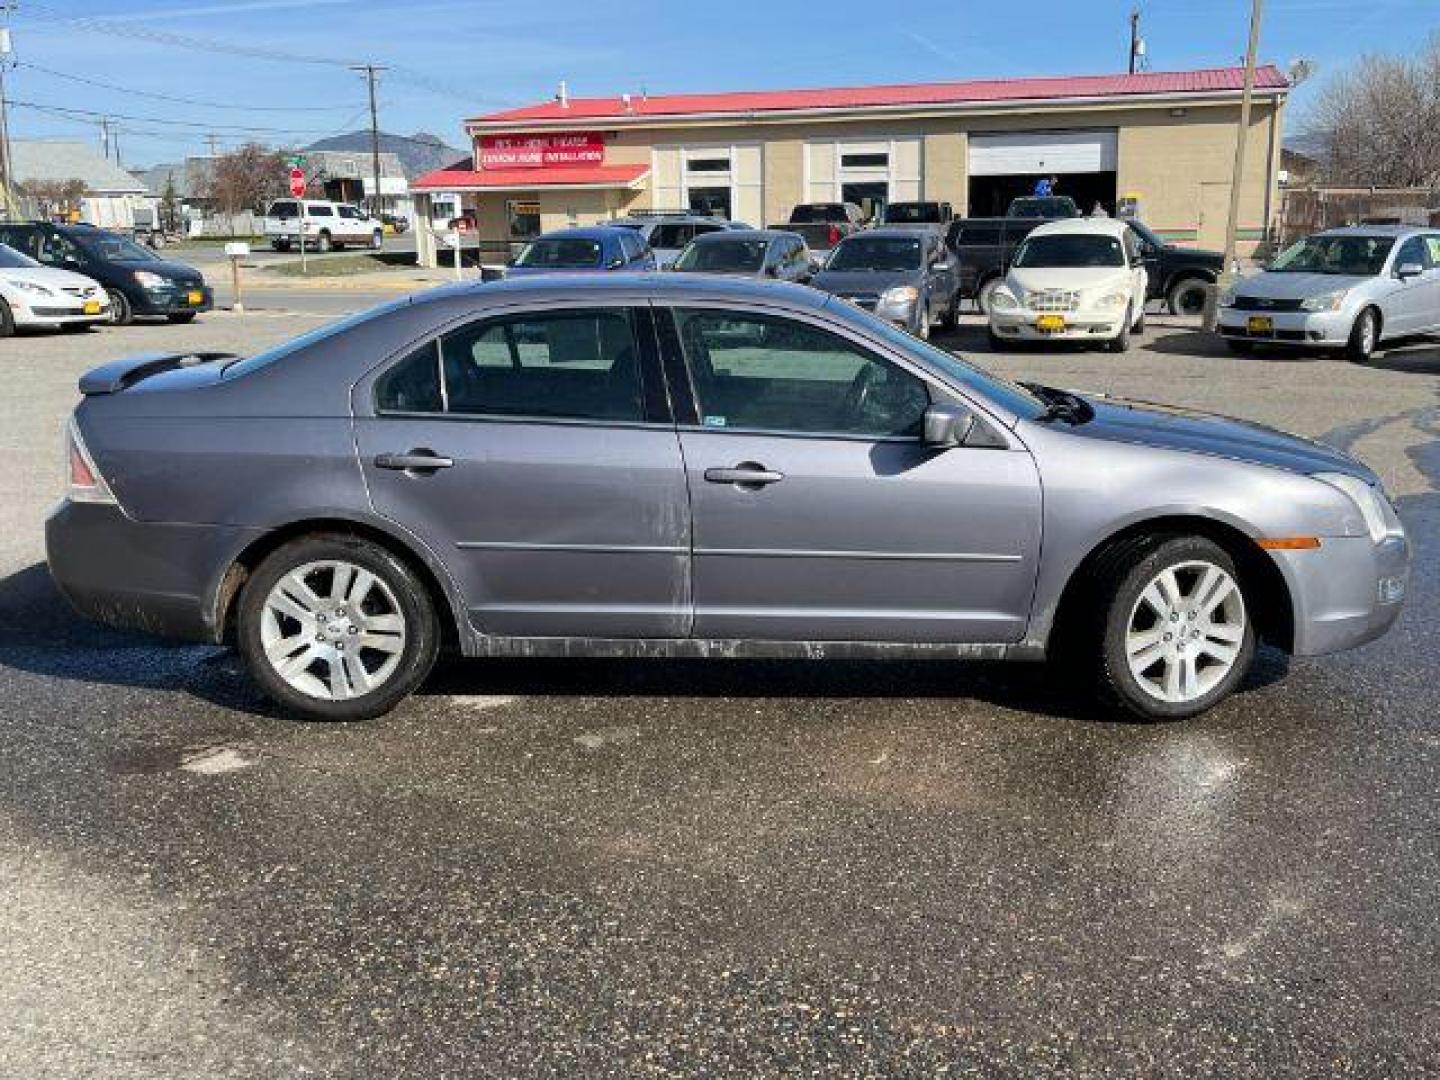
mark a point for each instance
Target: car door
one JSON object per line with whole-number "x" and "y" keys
{"x": 1430, "y": 304}
{"x": 533, "y": 452}
{"x": 941, "y": 272}
{"x": 817, "y": 512}
{"x": 1404, "y": 307}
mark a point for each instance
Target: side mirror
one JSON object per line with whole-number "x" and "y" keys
{"x": 947, "y": 425}
{"x": 1406, "y": 271}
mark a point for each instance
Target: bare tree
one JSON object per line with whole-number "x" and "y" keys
{"x": 55, "y": 198}
{"x": 1378, "y": 123}
{"x": 245, "y": 179}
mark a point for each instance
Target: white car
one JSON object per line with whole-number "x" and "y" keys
{"x": 32, "y": 294}
{"x": 1080, "y": 279}
{"x": 327, "y": 225}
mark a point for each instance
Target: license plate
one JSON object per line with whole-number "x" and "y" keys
{"x": 1050, "y": 324}
{"x": 1260, "y": 324}
{"x": 92, "y": 307}
{"x": 196, "y": 297}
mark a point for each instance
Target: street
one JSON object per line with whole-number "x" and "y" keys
{"x": 561, "y": 867}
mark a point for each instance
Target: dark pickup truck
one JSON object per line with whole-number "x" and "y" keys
{"x": 983, "y": 248}
{"x": 823, "y": 225}
{"x": 917, "y": 215}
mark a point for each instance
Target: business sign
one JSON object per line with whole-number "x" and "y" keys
{"x": 541, "y": 151}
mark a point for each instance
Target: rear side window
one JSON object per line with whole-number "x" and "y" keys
{"x": 319, "y": 211}
{"x": 977, "y": 234}
{"x": 671, "y": 234}
{"x": 577, "y": 365}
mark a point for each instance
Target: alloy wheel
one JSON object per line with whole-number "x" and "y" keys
{"x": 1185, "y": 632}
{"x": 332, "y": 630}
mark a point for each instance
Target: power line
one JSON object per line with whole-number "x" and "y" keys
{"x": 180, "y": 100}
{"x": 166, "y": 121}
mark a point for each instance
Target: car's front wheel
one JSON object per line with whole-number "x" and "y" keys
{"x": 121, "y": 313}
{"x": 1364, "y": 336}
{"x": 1187, "y": 297}
{"x": 1175, "y": 635}
{"x": 337, "y": 628}
{"x": 1121, "y": 341}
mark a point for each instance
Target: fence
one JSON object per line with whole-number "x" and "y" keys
{"x": 1309, "y": 210}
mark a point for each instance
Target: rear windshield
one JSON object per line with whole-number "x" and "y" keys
{"x": 817, "y": 212}
{"x": 1056, "y": 206}
{"x": 10, "y": 259}
{"x": 570, "y": 253}
{"x": 873, "y": 253}
{"x": 282, "y": 209}
{"x": 724, "y": 256}
{"x": 1070, "y": 251}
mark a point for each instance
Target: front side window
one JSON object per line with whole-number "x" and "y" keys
{"x": 1413, "y": 253}
{"x": 1069, "y": 251}
{"x": 319, "y": 211}
{"x": 574, "y": 365}
{"x": 671, "y": 234}
{"x": 760, "y": 372}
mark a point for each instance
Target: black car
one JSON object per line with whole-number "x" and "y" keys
{"x": 138, "y": 281}
{"x": 982, "y": 249}
{"x": 1179, "y": 276}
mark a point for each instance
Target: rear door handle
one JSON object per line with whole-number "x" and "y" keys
{"x": 746, "y": 474}
{"x": 421, "y": 460}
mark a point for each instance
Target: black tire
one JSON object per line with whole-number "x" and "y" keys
{"x": 1121, "y": 576}
{"x": 1139, "y": 327}
{"x": 950, "y": 317}
{"x": 182, "y": 317}
{"x": 377, "y": 240}
{"x": 997, "y": 343}
{"x": 324, "y": 243}
{"x": 1121, "y": 342}
{"x": 7, "y": 320}
{"x": 1186, "y": 297}
{"x": 280, "y": 245}
{"x": 411, "y": 601}
{"x": 1364, "y": 336}
{"x": 984, "y": 293}
{"x": 121, "y": 313}
{"x": 1239, "y": 346}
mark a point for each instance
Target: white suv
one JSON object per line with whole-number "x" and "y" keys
{"x": 328, "y": 225}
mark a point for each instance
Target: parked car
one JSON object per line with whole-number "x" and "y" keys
{"x": 1349, "y": 289}
{"x": 590, "y": 249}
{"x": 1179, "y": 276}
{"x": 760, "y": 253}
{"x": 1077, "y": 279}
{"x": 918, "y": 215}
{"x": 326, "y": 225}
{"x": 396, "y": 223}
{"x": 33, "y": 295}
{"x": 136, "y": 281}
{"x": 983, "y": 248}
{"x": 823, "y": 225}
{"x": 903, "y": 276}
{"x": 683, "y": 465}
{"x": 1043, "y": 206}
{"x": 668, "y": 233}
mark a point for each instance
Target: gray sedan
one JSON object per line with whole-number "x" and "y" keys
{"x": 907, "y": 277}
{"x": 678, "y": 465}
{"x": 1350, "y": 289}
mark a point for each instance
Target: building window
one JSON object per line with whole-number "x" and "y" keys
{"x": 714, "y": 201}
{"x": 708, "y": 165}
{"x": 524, "y": 219}
{"x": 865, "y": 161}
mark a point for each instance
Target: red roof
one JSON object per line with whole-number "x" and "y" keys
{"x": 977, "y": 91}
{"x": 464, "y": 176}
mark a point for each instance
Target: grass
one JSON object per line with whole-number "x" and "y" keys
{"x": 335, "y": 266}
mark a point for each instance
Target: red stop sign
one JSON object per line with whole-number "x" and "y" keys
{"x": 297, "y": 182}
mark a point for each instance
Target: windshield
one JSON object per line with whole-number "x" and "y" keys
{"x": 111, "y": 248}
{"x": 913, "y": 213}
{"x": 1058, "y": 206}
{"x": 817, "y": 212}
{"x": 723, "y": 256}
{"x": 1070, "y": 251}
{"x": 873, "y": 253}
{"x": 569, "y": 253}
{"x": 1350, "y": 255}
{"x": 10, "y": 259}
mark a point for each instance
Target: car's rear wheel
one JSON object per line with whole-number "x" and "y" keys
{"x": 1364, "y": 336}
{"x": 1174, "y": 633}
{"x": 377, "y": 240}
{"x": 121, "y": 313}
{"x": 337, "y": 628}
{"x": 1186, "y": 298}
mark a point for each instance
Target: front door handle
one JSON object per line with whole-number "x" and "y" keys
{"x": 420, "y": 460}
{"x": 748, "y": 474}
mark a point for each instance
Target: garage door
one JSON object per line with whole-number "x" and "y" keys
{"x": 1043, "y": 152}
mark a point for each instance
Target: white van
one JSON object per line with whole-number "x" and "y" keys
{"x": 327, "y": 225}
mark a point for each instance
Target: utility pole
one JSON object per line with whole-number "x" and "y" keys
{"x": 1136, "y": 47}
{"x": 7, "y": 195}
{"x": 1231, "y": 267}
{"x": 370, "y": 71}
{"x": 105, "y": 135}
{"x": 212, "y": 141}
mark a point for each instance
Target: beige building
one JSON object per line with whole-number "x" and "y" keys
{"x": 1164, "y": 140}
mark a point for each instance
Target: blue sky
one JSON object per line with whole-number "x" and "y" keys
{"x": 454, "y": 58}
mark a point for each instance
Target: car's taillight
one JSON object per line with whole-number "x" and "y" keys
{"x": 84, "y": 482}
{"x": 833, "y": 235}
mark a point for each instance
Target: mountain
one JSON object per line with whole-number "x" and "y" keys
{"x": 418, "y": 153}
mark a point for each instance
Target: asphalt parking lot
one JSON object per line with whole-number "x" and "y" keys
{"x": 751, "y": 868}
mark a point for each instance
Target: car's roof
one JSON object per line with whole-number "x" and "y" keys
{"x": 583, "y": 232}
{"x": 733, "y": 235}
{"x": 1387, "y": 231}
{"x": 592, "y": 287}
{"x": 1083, "y": 225}
{"x": 641, "y": 216}
{"x": 885, "y": 232}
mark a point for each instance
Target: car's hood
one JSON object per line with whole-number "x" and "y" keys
{"x": 1035, "y": 279}
{"x": 171, "y": 271}
{"x": 1283, "y": 286}
{"x": 1170, "y": 428}
{"x": 532, "y": 271}
{"x": 847, "y": 282}
{"x": 49, "y": 277}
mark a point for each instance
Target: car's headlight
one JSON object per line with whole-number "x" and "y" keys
{"x": 901, "y": 294}
{"x": 1002, "y": 299}
{"x": 146, "y": 280}
{"x": 28, "y": 287}
{"x": 1329, "y": 301}
{"x": 1380, "y": 518}
{"x": 1112, "y": 300}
